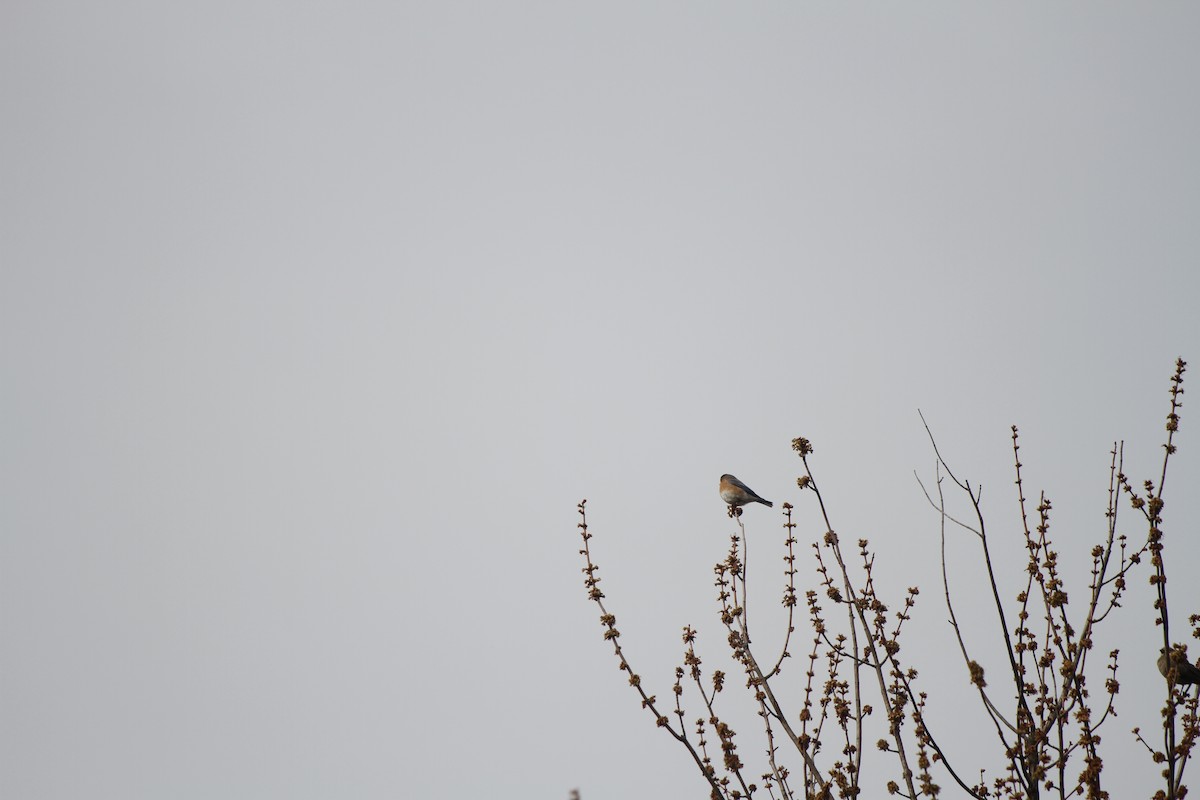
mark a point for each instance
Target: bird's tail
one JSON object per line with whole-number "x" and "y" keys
{"x": 766, "y": 503}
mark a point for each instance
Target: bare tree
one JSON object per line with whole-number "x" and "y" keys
{"x": 856, "y": 687}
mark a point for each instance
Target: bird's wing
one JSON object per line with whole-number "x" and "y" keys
{"x": 742, "y": 486}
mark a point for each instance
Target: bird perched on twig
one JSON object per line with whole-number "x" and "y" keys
{"x": 736, "y": 493}
{"x": 1186, "y": 673}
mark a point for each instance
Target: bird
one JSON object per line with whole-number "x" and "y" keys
{"x": 736, "y": 493}
{"x": 1186, "y": 674}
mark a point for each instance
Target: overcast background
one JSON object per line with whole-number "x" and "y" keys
{"x": 318, "y": 319}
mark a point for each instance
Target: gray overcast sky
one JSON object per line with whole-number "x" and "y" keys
{"x": 317, "y": 319}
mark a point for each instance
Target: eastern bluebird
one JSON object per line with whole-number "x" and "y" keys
{"x": 736, "y": 493}
{"x": 1185, "y": 672}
